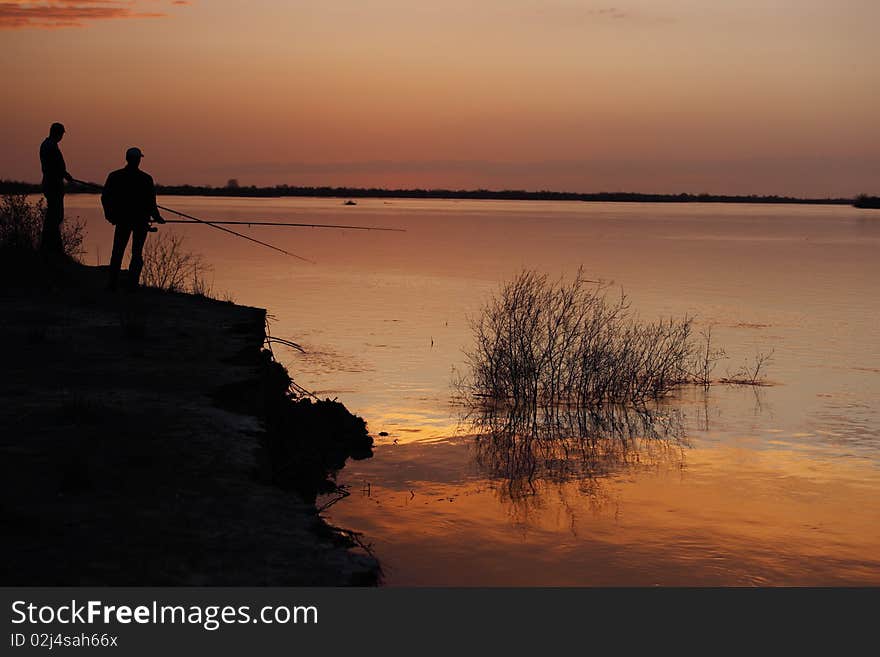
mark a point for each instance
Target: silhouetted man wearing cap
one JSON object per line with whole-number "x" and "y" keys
{"x": 129, "y": 201}
{"x": 54, "y": 175}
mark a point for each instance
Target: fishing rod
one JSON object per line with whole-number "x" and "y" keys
{"x": 208, "y": 223}
{"x": 217, "y": 224}
{"x": 261, "y": 222}
{"x": 231, "y": 232}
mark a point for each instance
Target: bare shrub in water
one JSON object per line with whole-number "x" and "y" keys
{"x": 705, "y": 359}
{"x": 169, "y": 266}
{"x": 751, "y": 372}
{"x": 558, "y": 386}
{"x": 542, "y": 343}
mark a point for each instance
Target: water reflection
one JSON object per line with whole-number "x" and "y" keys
{"x": 530, "y": 450}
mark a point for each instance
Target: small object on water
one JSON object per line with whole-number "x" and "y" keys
{"x": 350, "y": 202}
{"x": 383, "y": 433}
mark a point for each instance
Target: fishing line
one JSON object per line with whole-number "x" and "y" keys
{"x": 278, "y": 223}
{"x": 231, "y": 232}
{"x": 219, "y": 225}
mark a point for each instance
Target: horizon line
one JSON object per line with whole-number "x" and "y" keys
{"x": 14, "y": 186}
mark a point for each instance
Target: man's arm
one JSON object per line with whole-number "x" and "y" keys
{"x": 154, "y": 209}
{"x": 61, "y": 161}
{"x": 107, "y": 200}
{"x": 61, "y": 164}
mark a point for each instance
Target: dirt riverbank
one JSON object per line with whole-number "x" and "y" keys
{"x": 139, "y": 438}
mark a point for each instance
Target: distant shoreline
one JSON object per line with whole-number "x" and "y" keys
{"x": 15, "y": 187}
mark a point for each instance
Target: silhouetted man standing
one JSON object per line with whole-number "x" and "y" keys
{"x": 54, "y": 175}
{"x": 129, "y": 201}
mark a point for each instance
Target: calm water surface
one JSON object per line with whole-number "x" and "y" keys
{"x": 770, "y": 485}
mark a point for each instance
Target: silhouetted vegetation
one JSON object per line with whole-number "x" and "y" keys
{"x": 548, "y": 343}
{"x": 705, "y": 359}
{"x": 21, "y": 224}
{"x": 752, "y": 371}
{"x": 169, "y": 266}
{"x": 18, "y": 187}
{"x": 541, "y": 344}
{"x": 865, "y": 201}
{"x": 508, "y": 194}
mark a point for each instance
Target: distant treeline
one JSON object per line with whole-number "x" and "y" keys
{"x": 864, "y": 201}
{"x": 13, "y": 187}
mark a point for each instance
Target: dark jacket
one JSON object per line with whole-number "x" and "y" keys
{"x": 129, "y": 197}
{"x": 53, "y": 166}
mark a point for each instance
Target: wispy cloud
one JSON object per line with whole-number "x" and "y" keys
{"x": 53, "y": 14}
{"x": 565, "y": 13}
{"x": 609, "y": 12}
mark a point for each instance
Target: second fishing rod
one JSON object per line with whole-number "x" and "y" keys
{"x": 220, "y": 225}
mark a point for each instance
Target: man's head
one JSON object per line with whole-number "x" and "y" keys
{"x": 56, "y": 131}
{"x": 133, "y": 156}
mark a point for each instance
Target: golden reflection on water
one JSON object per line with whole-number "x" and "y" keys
{"x": 720, "y": 516}
{"x": 779, "y": 485}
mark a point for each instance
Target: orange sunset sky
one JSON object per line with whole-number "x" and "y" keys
{"x": 638, "y": 95}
